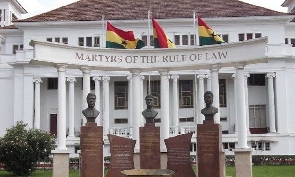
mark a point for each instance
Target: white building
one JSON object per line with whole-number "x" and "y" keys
{"x": 29, "y": 92}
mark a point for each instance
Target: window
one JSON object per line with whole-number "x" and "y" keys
{"x": 64, "y": 40}
{"x": 155, "y": 91}
{"x": 52, "y": 83}
{"x": 186, "y": 94}
{"x": 193, "y": 147}
{"x": 192, "y": 39}
{"x": 222, "y": 92}
{"x": 260, "y": 145}
{"x": 177, "y": 39}
{"x": 81, "y": 41}
{"x": 257, "y": 116}
{"x": 290, "y": 41}
{"x": 17, "y": 47}
{"x": 256, "y": 80}
{"x": 96, "y": 41}
{"x": 121, "y": 95}
{"x": 184, "y": 39}
{"x": 186, "y": 119}
{"x": 228, "y": 146}
{"x": 247, "y": 36}
{"x": 89, "y": 41}
{"x": 223, "y": 118}
{"x": 57, "y": 39}
{"x": 49, "y": 39}
{"x": 144, "y": 39}
{"x": 224, "y": 37}
{"x": 121, "y": 121}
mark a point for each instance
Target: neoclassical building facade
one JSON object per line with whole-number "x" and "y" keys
{"x": 50, "y": 62}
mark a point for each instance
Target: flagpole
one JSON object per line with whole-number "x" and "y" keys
{"x": 194, "y": 16}
{"x": 103, "y": 32}
{"x": 149, "y": 26}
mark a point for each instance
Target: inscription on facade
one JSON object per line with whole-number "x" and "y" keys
{"x": 149, "y": 59}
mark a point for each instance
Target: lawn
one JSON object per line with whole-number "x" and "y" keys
{"x": 258, "y": 171}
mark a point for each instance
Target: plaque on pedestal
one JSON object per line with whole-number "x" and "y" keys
{"x": 178, "y": 152}
{"x": 91, "y": 141}
{"x": 122, "y": 151}
{"x": 150, "y": 147}
{"x": 209, "y": 146}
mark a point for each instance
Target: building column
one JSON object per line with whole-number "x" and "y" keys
{"x": 209, "y": 82}
{"x": 37, "y": 121}
{"x": 201, "y": 88}
{"x": 175, "y": 102}
{"x": 246, "y": 75}
{"x": 71, "y": 81}
{"x": 235, "y": 104}
{"x": 215, "y": 91}
{"x": 165, "y": 124}
{"x": 241, "y": 111}
{"x": 98, "y": 101}
{"x": 86, "y": 88}
{"x": 130, "y": 118}
{"x": 271, "y": 103}
{"x": 142, "y": 119}
{"x": 61, "y": 113}
{"x": 106, "y": 104}
{"x": 136, "y": 112}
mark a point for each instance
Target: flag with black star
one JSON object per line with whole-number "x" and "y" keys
{"x": 120, "y": 39}
{"x": 206, "y": 34}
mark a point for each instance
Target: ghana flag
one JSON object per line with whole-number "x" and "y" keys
{"x": 206, "y": 35}
{"x": 117, "y": 38}
{"x": 161, "y": 40}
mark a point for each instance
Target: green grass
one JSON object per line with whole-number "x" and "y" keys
{"x": 258, "y": 171}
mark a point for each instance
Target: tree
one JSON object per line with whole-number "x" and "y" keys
{"x": 22, "y": 148}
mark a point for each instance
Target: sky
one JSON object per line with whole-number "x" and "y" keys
{"x": 35, "y": 7}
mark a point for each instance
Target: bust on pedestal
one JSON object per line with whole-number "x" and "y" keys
{"x": 90, "y": 113}
{"x": 150, "y": 113}
{"x": 209, "y": 111}
{"x": 150, "y": 156}
{"x": 91, "y": 142}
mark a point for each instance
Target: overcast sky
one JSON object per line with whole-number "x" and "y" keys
{"x": 35, "y": 7}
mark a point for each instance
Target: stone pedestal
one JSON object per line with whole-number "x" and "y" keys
{"x": 91, "y": 141}
{"x": 209, "y": 148}
{"x": 122, "y": 151}
{"x": 243, "y": 162}
{"x": 178, "y": 152}
{"x": 60, "y": 163}
{"x": 150, "y": 155}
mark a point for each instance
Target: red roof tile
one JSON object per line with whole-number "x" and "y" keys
{"x": 92, "y": 10}
{"x": 9, "y": 27}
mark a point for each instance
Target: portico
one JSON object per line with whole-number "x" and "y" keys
{"x": 203, "y": 62}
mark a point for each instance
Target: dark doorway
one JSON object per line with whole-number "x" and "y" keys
{"x": 53, "y": 124}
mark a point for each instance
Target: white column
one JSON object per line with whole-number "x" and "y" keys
{"x": 98, "y": 101}
{"x": 37, "y": 123}
{"x": 165, "y": 124}
{"x": 86, "y": 88}
{"x": 175, "y": 102}
{"x": 209, "y": 82}
{"x": 71, "y": 81}
{"x": 130, "y": 118}
{"x": 136, "y": 112}
{"x": 201, "y": 88}
{"x": 215, "y": 91}
{"x": 142, "y": 119}
{"x": 61, "y": 113}
{"x": 235, "y": 104}
{"x": 271, "y": 103}
{"x": 106, "y": 104}
{"x": 246, "y": 75}
{"x": 241, "y": 111}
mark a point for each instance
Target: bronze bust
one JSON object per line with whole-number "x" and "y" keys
{"x": 150, "y": 113}
{"x": 209, "y": 111}
{"x": 90, "y": 113}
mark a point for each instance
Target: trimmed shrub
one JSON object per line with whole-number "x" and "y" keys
{"x": 21, "y": 149}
